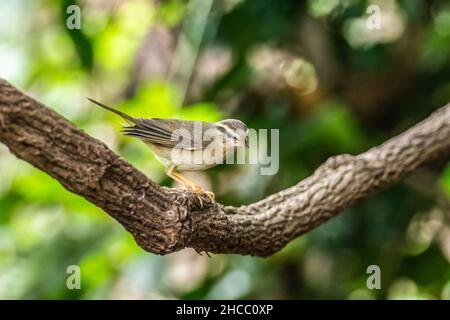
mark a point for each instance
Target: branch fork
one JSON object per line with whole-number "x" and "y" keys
{"x": 164, "y": 220}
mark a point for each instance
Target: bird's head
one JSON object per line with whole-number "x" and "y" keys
{"x": 234, "y": 131}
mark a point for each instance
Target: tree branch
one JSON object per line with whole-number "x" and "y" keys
{"x": 164, "y": 220}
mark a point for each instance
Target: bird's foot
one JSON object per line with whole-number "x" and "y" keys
{"x": 199, "y": 192}
{"x": 211, "y": 196}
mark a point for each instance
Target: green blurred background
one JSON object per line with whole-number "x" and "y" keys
{"x": 312, "y": 68}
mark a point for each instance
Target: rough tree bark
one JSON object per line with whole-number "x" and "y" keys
{"x": 164, "y": 220}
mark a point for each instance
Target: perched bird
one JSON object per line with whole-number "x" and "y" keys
{"x": 183, "y": 145}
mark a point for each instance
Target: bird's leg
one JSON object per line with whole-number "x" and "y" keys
{"x": 189, "y": 184}
{"x": 180, "y": 179}
{"x": 193, "y": 186}
{"x": 171, "y": 173}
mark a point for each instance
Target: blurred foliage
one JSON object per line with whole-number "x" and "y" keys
{"x": 312, "y": 69}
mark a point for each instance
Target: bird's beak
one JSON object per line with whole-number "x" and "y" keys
{"x": 246, "y": 141}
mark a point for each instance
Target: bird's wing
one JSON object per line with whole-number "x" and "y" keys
{"x": 171, "y": 133}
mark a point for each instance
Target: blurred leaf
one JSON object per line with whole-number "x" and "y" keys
{"x": 445, "y": 180}
{"x": 201, "y": 111}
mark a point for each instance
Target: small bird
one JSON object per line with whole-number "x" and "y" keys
{"x": 183, "y": 145}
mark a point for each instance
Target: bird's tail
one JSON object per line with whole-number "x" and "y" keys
{"x": 120, "y": 113}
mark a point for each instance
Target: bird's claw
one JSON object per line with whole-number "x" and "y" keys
{"x": 211, "y": 196}
{"x": 199, "y": 192}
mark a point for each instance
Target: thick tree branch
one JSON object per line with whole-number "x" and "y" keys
{"x": 164, "y": 220}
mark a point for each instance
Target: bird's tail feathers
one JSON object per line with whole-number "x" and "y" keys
{"x": 120, "y": 113}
